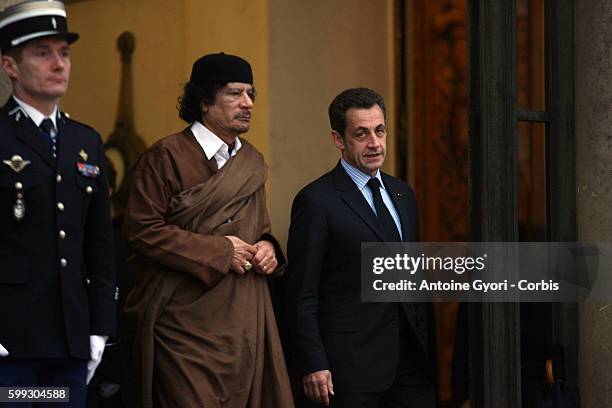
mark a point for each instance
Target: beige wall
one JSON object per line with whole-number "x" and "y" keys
{"x": 158, "y": 71}
{"x": 170, "y": 36}
{"x": 594, "y": 196}
{"x": 317, "y": 49}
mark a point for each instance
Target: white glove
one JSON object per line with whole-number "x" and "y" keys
{"x": 3, "y": 352}
{"x": 96, "y": 345}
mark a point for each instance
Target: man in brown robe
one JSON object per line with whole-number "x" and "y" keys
{"x": 197, "y": 223}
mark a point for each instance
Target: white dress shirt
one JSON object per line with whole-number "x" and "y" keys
{"x": 36, "y": 116}
{"x": 361, "y": 181}
{"x": 212, "y": 144}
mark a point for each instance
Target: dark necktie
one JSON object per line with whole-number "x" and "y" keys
{"x": 384, "y": 216}
{"x": 230, "y": 149}
{"x": 48, "y": 129}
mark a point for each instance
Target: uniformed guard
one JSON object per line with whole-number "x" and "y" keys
{"x": 57, "y": 284}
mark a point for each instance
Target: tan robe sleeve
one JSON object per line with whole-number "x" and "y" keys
{"x": 266, "y": 228}
{"x": 153, "y": 184}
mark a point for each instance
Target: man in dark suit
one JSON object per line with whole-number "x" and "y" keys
{"x": 351, "y": 353}
{"x": 57, "y": 285}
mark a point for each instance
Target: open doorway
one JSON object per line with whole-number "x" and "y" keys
{"x": 484, "y": 87}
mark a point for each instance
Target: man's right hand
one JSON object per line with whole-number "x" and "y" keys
{"x": 243, "y": 253}
{"x": 3, "y": 352}
{"x": 318, "y": 386}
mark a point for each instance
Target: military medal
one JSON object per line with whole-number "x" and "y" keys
{"x": 88, "y": 170}
{"x": 83, "y": 155}
{"x": 16, "y": 163}
{"x": 19, "y": 207}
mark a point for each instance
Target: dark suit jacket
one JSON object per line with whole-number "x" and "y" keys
{"x": 47, "y": 309}
{"x": 332, "y": 329}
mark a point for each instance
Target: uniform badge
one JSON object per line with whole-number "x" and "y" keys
{"x": 19, "y": 209}
{"x": 88, "y": 170}
{"x": 16, "y": 163}
{"x": 18, "y": 112}
{"x": 83, "y": 155}
{"x": 19, "y": 206}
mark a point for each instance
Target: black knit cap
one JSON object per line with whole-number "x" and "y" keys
{"x": 220, "y": 69}
{"x": 33, "y": 19}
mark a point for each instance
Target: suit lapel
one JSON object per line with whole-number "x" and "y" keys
{"x": 27, "y": 132}
{"x": 399, "y": 201}
{"x": 353, "y": 198}
{"x": 67, "y": 145}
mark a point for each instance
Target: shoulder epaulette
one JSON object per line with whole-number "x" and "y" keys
{"x": 65, "y": 117}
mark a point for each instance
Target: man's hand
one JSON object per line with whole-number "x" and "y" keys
{"x": 96, "y": 346}
{"x": 3, "y": 352}
{"x": 318, "y": 386}
{"x": 264, "y": 260}
{"x": 243, "y": 253}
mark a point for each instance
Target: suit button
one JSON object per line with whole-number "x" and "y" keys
{"x": 88, "y": 190}
{"x": 18, "y": 186}
{"x": 60, "y": 206}
{"x": 63, "y": 262}
{"x": 58, "y": 178}
{"x": 62, "y": 234}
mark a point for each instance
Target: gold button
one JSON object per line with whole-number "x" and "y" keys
{"x": 58, "y": 178}
{"x": 60, "y": 206}
{"x": 18, "y": 186}
{"x": 63, "y": 262}
{"x": 89, "y": 190}
{"x": 62, "y": 234}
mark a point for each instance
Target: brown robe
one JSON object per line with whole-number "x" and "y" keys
{"x": 206, "y": 336}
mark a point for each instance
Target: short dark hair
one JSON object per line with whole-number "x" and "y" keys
{"x": 15, "y": 53}
{"x": 190, "y": 103}
{"x": 362, "y": 98}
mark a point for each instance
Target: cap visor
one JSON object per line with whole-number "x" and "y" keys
{"x": 71, "y": 37}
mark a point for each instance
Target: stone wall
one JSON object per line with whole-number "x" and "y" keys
{"x": 594, "y": 183}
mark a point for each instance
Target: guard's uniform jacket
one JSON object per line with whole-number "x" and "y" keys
{"x": 57, "y": 284}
